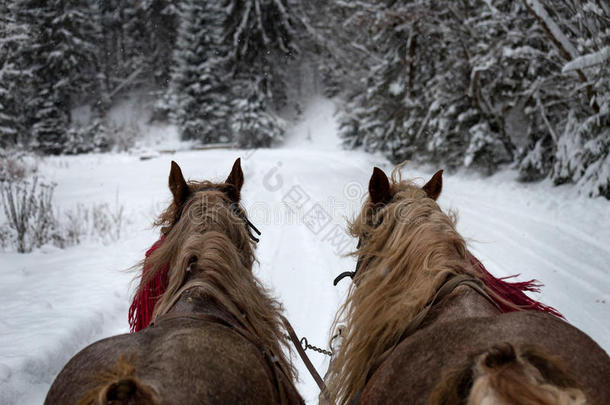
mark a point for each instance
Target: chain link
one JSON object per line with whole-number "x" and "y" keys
{"x": 305, "y": 344}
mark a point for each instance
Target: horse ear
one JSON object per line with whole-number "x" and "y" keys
{"x": 177, "y": 184}
{"x": 236, "y": 179}
{"x": 434, "y": 186}
{"x": 379, "y": 187}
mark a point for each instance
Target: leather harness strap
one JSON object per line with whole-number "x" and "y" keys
{"x": 192, "y": 315}
{"x": 445, "y": 290}
{"x": 297, "y": 344}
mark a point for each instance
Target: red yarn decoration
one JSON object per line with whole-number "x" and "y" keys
{"x": 513, "y": 292}
{"x": 141, "y": 309}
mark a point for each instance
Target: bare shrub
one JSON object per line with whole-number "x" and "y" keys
{"x": 100, "y": 222}
{"x": 7, "y": 239}
{"x": 118, "y": 218}
{"x": 31, "y": 222}
{"x": 29, "y": 212}
{"x": 75, "y": 226}
{"x": 15, "y": 166}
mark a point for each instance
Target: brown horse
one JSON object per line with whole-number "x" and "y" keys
{"x": 424, "y": 323}
{"x": 216, "y": 335}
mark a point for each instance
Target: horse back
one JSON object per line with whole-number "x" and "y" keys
{"x": 424, "y": 360}
{"x": 189, "y": 363}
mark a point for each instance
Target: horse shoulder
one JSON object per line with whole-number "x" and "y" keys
{"x": 217, "y": 364}
{"x": 418, "y": 364}
{"x": 185, "y": 363}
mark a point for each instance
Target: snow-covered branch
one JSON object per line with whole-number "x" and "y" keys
{"x": 587, "y": 61}
{"x": 559, "y": 39}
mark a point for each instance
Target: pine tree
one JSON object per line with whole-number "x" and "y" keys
{"x": 582, "y": 151}
{"x": 359, "y": 83}
{"x": 413, "y": 101}
{"x": 201, "y": 105}
{"x": 109, "y": 63}
{"x": 261, "y": 38}
{"x": 161, "y": 17}
{"x": 477, "y": 85}
{"x": 60, "y": 55}
{"x": 13, "y": 76}
{"x": 135, "y": 44}
{"x": 480, "y": 83}
{"x": 252, "y": 125}
{"x": 149, "y": 30}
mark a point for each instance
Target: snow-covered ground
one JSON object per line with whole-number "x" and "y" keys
{"x": 55, "y": 302}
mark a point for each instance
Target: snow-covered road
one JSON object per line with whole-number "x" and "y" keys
{"x": 54, "y": 302}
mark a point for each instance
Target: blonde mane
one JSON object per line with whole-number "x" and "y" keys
{"x": 410, "y": 247}
{"x": 211, "y": 241}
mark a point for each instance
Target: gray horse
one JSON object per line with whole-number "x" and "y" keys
{"x": 216, "y": 335}
{"x": 426, "y": 324}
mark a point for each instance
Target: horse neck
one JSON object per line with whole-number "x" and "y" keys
{"x": 193, "y": 301}
{"x": 463, "y": 302}
{"x": 193, "y": 298}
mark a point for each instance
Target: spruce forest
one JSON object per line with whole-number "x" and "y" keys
{"x": 480, "y": 84}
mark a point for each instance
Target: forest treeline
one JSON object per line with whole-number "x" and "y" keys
{"x": 481, "y": 84}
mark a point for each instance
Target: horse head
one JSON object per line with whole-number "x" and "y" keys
{"x": 382, "y": 192}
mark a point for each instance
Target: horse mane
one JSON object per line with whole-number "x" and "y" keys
{"x": 211, "y": 241}
{"x": 410, "y": 246}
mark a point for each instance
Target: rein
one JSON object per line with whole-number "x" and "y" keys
{"x": 310, "y": 367}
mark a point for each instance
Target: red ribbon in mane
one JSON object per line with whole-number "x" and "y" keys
{"x": 513, "y": 292}
{"x": 141, "y": 309}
